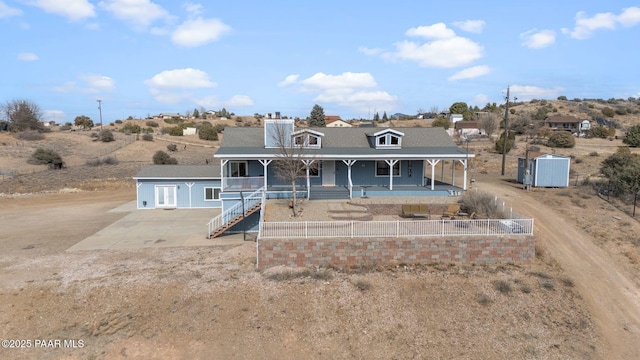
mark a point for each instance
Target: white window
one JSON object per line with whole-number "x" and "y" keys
{"x": 238, "y": 168}
{"x": 382, "y": 168}
{"x": 166, "y": 196}
{"x": 211, "y": 193}
{"x": 388, "y": 140}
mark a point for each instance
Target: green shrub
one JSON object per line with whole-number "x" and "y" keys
{"x": 118, "y": 121}
{"x": 220, "y": 128}
{"x": 172, "y": 147}
{"x": 162, "y": 158}
{"x": 147, "y": 137}
{"x": 483, "y": 204}
{"x": 46, "y": 156}
{"x": 510, "y": 143}
{"x": 632, "y": 137}
{"x": 131, "y": 128}
{"x": 561, "y": 139}
{"x": 503, "y": 286}
{"x": 106, "y": 136}
{"x": 602, "y": 132}
{"x": 175, "y": 131}
{"x": 441, "y": 122}
{"x": 107, "y": 160}
{"x": 208, "y": 132}
{"x": 152, "y": 124}
{"x": 608, "y": 112}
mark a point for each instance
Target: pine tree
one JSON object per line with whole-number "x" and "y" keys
{"x": 317, "y": 117}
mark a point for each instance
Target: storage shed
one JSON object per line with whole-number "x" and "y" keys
{"x": 548, "y": 170}
{"x": 178, "y": 186}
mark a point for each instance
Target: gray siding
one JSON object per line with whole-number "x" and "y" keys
{"x": 551, "y": 172}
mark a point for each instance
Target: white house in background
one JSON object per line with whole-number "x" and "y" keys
{"x": 454, "y": 118}
{"x": 468, "y": 128}
{"x": 337, "y": 123}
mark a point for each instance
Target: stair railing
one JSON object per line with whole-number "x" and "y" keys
{"x": 238, "y": 209}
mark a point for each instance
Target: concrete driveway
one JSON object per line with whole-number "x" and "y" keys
{"x": 156, "y": 228}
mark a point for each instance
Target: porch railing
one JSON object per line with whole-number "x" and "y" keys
{"x": 238, "y": 209}
{"x": 242, "y": 183}
{"x": 368, "y": 229}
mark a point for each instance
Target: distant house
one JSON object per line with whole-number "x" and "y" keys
{"x": 333, "y": 122}
{"x": 167, "y": 116}
{"x": 178, "y": 186}
{"x": 468, "y": 128}
{"x": 189, "y": 131}
{"x": 546, "y": 170}
{"x": 563, "y": 123}
{"x": 454, "y": 118}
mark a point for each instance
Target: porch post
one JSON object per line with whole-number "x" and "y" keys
{"x": 464, "y": 177}
{"x": 453, "y": 172}
{"x": 222, "y": 164}
{"x": 308, "y": 163}
{"x": 433, "y": 164}
{"x": 265, "y": 163}
{"x": 391, "y": 163}
{"x": 442, "y": 171}
{"x": 349, "y": 164}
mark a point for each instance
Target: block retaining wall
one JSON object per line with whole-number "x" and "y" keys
{"x": 366, "y": 252}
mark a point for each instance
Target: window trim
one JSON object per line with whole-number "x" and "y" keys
{"x": 246, "y": 167}
{"x": 213, "y": 192}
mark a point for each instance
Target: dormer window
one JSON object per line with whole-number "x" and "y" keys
{"x": 388, "y": 139}
{"x": 307, "y": 139}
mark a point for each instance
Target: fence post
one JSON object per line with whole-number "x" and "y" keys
{"x": 352, "y": 229}
{"x": 306, "y": 229}
{"x": 488, "y": 226}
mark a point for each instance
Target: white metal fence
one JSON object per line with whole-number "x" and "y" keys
{"x": 367, "y": 229}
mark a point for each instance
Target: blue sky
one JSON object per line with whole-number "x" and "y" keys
{"x": 144, "y": 57}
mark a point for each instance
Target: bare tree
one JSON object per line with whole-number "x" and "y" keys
{"x": 23, "y": 115}
{"x": 293, "y": 160}
{"x": 489, "y": 123}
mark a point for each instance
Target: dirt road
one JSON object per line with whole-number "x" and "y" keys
{"x": 613, "y": 299}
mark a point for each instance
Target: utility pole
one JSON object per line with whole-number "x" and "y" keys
{"x": 100, "y": 108}
{"x": 506, "y": 131}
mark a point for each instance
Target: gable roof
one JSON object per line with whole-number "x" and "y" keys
{"x": 328, "y": 119}
{"x": 466, "y": 125}
{"x": 179, "y": 171}
{"x": 342, "y": 142}
{"x": 562, "y": 119}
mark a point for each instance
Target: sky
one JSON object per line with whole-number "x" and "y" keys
{"x": 353, "y": 58}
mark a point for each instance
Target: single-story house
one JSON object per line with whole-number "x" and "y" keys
{"x": 189, "y": 131}
{"x": 547, "y": 170}
{"x": 563, "y": 122}
{"x": 336, "y": 122}
{"x": 178, "y": 187}
{"x": 467, "y": 128}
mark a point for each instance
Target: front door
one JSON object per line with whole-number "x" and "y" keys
{"x": 328, "y": 173}
{"x": 166, "y": 196}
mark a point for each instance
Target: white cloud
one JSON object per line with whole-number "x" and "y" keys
{"x": 27, "y": 56}
{"x": 180, "y": 79}
{"x": 290, "y": 79}
{"x": 193, "y": 9}
{"x": 352, "y": 90}
{"x": 71, "y": 9}
{"x": 98, "y": 83}
{"x": 472, "y": 26}
{"x": 538, "y": 39}
{"x": 480, "y": 99}
{"x": 528, "y": 92}
{"x": 447, "y": 53}
{"x": 138, "y": 13}
{"x": 470, "y": 73}
{"x": 369, "y": 51}
{"x": 586, "y": 26}
{"x": 239, "y": 101}
{"x": 198, "y": 32}
{"x": 629, "y": 17}
{"x": 7, "y": 11}
{"x": 69, "y": 86}
{"x": 435, "y": 31}
{"x": 54, "y": 115}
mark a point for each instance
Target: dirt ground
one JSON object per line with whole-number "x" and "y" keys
{"x": 579, "y": 298}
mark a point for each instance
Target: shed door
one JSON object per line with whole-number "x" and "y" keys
{"x": 328, "y": 173}
{"x": 166, "y": 196}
